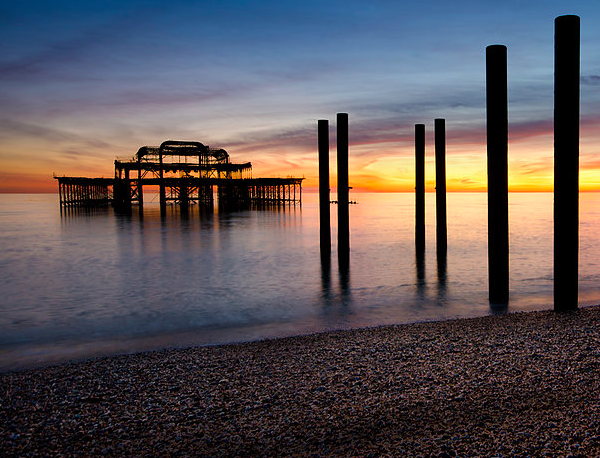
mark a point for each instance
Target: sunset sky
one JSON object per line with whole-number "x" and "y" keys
{"x": 85, "y": 82}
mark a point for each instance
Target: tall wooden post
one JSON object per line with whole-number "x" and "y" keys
{"x": 342, "y": 186}
{"x": 440, "y": 184}
{"x": 420, "y": 187}
{"x": 324, "y": 213}
{"x": 566, "y": 162}
{"x": 497, "y": 171}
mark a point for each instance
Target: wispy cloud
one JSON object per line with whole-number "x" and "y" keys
{"x": 591, "y": 80}
{"x": 11, "y": 128}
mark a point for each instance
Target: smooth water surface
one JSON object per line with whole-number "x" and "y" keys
{"x": 81, "y": 284}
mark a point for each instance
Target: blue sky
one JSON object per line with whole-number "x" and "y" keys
{"x": 84, "y": 82}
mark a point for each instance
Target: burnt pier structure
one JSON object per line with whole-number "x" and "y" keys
{"x": 184, "y": 173}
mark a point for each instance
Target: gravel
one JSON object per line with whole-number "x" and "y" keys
{"x": 522, "y": 384}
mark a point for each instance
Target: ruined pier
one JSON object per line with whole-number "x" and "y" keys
{"x": 184, "y": 173}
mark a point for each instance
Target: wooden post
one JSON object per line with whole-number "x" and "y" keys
{"x": 497, "y": 171}
{"x": 342, "y": 185}
{"x": 566, "y": 162}
{"x": 324, "y": 213}
{"x": 440, "y": 184}
{"x": 420, "y": 187}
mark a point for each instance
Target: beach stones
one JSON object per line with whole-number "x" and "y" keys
{"x": 523, "y": 384}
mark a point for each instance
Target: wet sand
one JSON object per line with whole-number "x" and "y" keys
{"x": 524, "y": 384}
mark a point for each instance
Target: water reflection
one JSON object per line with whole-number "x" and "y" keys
{"x": 344, "y": 269}
{"x": 442, "y": 265}
{"x": 420, "y": 263}
{"x": 326, "y": 276}
{"x": 98, "y": 275}
{"x": 499, "y": 309}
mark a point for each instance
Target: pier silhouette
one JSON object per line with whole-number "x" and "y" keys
{"x": 185, "y": 173}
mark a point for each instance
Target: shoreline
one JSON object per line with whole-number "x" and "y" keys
{"x": 524, "y": 383}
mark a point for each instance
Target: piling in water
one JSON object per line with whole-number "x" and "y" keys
{"x": 342, "y": 186}
{"x": 419, "y": 187}
{"x": 324, "y": 214}
{"x": 440, "y": 184}
{"x": 497, "y": 171}
{"x": 161, "y": 184}
{"x": 566, "y": 162}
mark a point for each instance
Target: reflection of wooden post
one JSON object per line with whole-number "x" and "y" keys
{"x": 342, "y": 185}
{"x": 127, "y": 192}
{"x": 139, "y": 182}
{"x": 324, "y": 213}
{"x": 184, "y": 195}
{"x": 420, "y": 186}
{"x": 566, "y": 162}
{"x": 440, "y": 184}
{"x": 497, "y": 162}
{"x": 161, "y": 184}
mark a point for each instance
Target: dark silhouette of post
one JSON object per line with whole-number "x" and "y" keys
{"x": 326, "y": 277}
{"x": 420, "y": 271}
{"x": 440, "y": 184}
{"x": 497, "y": 172}
{"x": 161, "y": 184}
{"x": 324, "y": 213}
{"x": 442, "y": 273}
{"x": 140, "y": 189}
{"x": 566, "y": 162}
{"x": 420, "y": 187}
{"x": 342, "y": 186}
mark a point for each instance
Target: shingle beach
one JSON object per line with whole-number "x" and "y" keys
{"x": 522, "y": 384}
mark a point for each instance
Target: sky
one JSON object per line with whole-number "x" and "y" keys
{"x": 82, "y": 83}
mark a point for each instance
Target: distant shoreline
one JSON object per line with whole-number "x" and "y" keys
{"x": 524, "y": 383}
{"x": 364, "y": 191}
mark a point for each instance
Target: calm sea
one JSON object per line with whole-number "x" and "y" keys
{"x": 89, "y": 284}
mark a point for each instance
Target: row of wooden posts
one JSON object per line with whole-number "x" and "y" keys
{"x": 342, "y": 188}
{"x": 566, "y": 173}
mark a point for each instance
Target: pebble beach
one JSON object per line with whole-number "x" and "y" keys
{"x": 521, "y": 384}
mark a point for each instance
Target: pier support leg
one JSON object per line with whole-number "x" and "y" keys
{"x": 162, "y": 190}
{"x": 184, "y": 201}
{"x": 440, "y": 185}
{"x": 324, "y": 212}
{"x": 497, "y": 171}
{"x": 342, "y": 187}
{"x": 566, "y": 162}
{"x": 420, "y": 187}
{"x": 139, "y": 183}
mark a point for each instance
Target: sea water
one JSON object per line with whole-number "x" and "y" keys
{"x": 90, "y": 283}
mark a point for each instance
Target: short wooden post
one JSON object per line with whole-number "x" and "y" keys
{"x": 324, "y": 198}
{"x": 440, "y": 184}
{"x": 342, "y": 185}
{"x": 420, "y": 187}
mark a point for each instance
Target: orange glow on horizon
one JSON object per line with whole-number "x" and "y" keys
{"x": 377, "y": 166}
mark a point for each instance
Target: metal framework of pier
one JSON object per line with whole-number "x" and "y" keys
{"x": 185, "y": 173}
